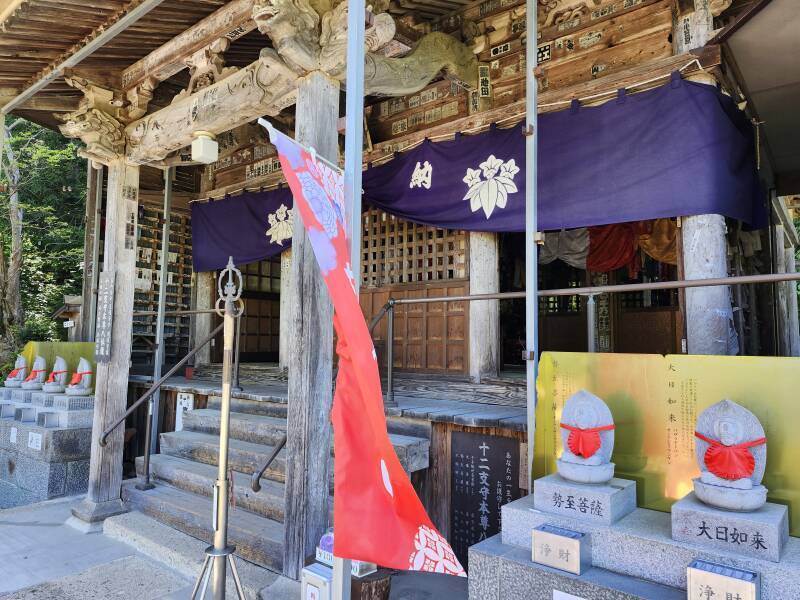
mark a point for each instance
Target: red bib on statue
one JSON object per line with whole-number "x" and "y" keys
{"x": 584, "y": 442}
{"x": 730, "y": 462}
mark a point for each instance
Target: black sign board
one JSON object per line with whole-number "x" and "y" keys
{"x": 485, "y": 476}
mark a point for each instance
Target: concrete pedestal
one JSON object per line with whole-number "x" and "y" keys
{"x": 604, "y": 503}
{"x": 761, "y": 534}
{"x": 636, "y": 557}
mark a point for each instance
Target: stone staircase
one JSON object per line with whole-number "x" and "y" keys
{"x": 185, "y": 471}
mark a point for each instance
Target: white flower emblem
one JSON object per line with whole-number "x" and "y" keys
{"x": 319, "y": 202}
{"x": 433, "y": 554}
{"x": 493, "y": 189}
{"x": 281, "y": 223}
{"x": 422, "y": 175}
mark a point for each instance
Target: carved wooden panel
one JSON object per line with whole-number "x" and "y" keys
{"x": 397, "y": 251}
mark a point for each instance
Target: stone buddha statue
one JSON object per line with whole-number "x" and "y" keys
{"x": 56, "y": 383}
{"x": 587, "y": 434}
{"x": 81, "y": 382}
{"x": 20, "y": 371}
{"x": 731, "y": 449}
{"x": 36, "y": 377}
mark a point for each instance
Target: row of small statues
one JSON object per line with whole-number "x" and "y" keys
{"x": 56, "y": 383}
{"x": 730, "y": 448}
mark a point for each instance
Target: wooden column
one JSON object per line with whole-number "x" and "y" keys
{"x": 709, "y": 316}
{"x": 794, "y": 317}
{"x": 781, "y": 294}
{"x": 484, "y": 315}
{"x": 285, "y": 330}
{"x": 206, "y": 295}
{"x": 111, "y": 387}
{"x": 94, "y": 198}
{"x": 311, "y": 351}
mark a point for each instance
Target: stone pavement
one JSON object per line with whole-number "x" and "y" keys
{"x": 42, "y": 557}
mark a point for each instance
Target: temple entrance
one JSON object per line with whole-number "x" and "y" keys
{"x": 260, "y": 325}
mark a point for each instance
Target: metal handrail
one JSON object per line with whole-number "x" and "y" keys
{"x": 255, "y": 479}
{"x": 589, "y": 291}
{"x": 156, "y": 385}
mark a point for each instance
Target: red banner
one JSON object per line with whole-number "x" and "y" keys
{"x": 377, "y": 514}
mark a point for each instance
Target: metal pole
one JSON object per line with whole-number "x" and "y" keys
{"x": 98, "y": 205}
{"x": 237, "y": 342}
{"x": 389, "y": 401}
{"x": 591, "y": 318}
{"x": 353, "y": 161}
{"x": 531, "y": 228}
{"x": 220, "y": 517}
{"x": 169, "y": 177}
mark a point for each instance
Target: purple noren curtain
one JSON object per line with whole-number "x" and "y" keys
{"x": 677, "y": 150}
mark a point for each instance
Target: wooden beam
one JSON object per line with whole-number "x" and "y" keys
{"x": 9, "y": 11}
{"x": 232, "y": 21}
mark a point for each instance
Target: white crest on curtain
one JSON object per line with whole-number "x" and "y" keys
{"x": 488, "y": 186}
{"x": 422, "y": 176}
{"x": 281, "y": 223}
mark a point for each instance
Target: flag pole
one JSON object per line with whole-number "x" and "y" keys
{"x": 531, "y": 226}
{"x": 353, "y": 155}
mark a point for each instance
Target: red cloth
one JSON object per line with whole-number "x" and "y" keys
{"x": 584, "y": 442}
{"x": 13, "y": 373}
{"x": 76, "y": 378}
{"x": 33, "y": 373}
{"x": 377, "y": 514}
{"x": 730, "y": 462}
{"x": 52, "y": 377}
{"x": 612, "y": 247}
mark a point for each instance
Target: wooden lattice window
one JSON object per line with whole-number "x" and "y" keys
{"x": 396, "y": 251}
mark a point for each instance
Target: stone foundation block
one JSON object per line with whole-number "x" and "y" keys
{"x": 67, "y": 419}
{"x": 761, "y": 534}
{"x": 63, "y": 402}
{"x": 42, "y": 399}
{"x": 603, "y": 503}
{"x": 22, "y": 396}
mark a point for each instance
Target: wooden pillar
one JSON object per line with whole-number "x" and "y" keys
{"x": 94, "y": 198}
{"x": 782, "y": 327}
{"x": 206, "y": 295}
{"x": 794, "y": 317}
{"x": 709, "y": 316}
{"x": 484, "y": 315}
{"x": 285, "y": 329}
{"x": 310, "y": 354}
{"x": 111, "y": 388}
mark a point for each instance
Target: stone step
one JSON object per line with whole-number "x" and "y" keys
{"x": 243, "y": 457}
{"x": 199, "y": 479}
{"x": 413, "y": 452}
{"x": 257, "y": 539}
{"x": 183, "y": 553}
{"x": 243, "y": 426}
{"x": 271, "y": 406}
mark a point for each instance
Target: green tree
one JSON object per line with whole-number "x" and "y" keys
{"x": 41, "y": 231}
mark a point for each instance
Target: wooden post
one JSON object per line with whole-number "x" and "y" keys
{"x": 91, "y": 245}
{"x": 285, "y": 329}
{"x": 111, "y": 389}
{"x": 794, "y": 317}
{"x": 206, "y": 289}
{"x": 709, "y": 316}
{"x": 308, "y": 427}
{"x": 781, "y": 296}
{"x": 484, "y": 315}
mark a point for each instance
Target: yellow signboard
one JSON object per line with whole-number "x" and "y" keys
{"x": 655, "y": 401}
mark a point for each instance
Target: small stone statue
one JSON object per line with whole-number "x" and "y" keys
{"x": 587, "y": 434}
{"x": 18, "y": 374}
{"x": 37, "y": 375}
{"x": 731, "y": 449}
{"x": 56, "y": 383}
{"x": 81, "y": 382}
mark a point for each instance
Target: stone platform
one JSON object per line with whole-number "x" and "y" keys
{"x": 628, "y": 559}
{"x": 45, "y": 444}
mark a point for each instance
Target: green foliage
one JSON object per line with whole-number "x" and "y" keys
{"x": 52, "y": 196}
